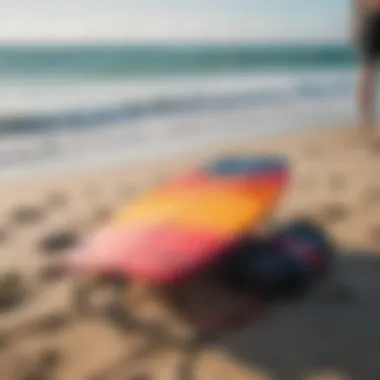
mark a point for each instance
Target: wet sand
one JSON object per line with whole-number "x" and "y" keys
{"x": 331, "y": 335}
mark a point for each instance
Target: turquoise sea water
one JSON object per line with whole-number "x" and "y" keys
{"x": 134, "y": 61}
{"x": 80, "y": 104}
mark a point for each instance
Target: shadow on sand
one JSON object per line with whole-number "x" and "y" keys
{"x": 335, "y": 330}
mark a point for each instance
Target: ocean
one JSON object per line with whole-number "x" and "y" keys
{"x": 69, "y": 107}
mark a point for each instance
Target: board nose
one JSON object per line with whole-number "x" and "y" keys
{"x": 247, "y": 165}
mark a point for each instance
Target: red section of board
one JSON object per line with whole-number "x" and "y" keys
{"x": 160, "y": 253}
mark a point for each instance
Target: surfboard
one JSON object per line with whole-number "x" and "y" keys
{"x": 189, "y": 221}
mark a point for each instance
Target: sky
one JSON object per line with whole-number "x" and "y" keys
{"x": 173, "y": 20}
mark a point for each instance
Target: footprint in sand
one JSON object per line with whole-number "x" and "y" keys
{"x": 44, "y": 368}
{"x": 334, "y": 213}
{"x": 3, "y": 236}
{"x": 50, "y": 358}
{"x": 58, "y": 242}
{"x": 46, "y": 325}
{"x": 51, "y": 273}
{"x": 13, "y": 291}
{"x": 26, "y": 215}
{"x": 52, "y": 323}
{"x": 57, "y": 199}
{"x": 102, "y": 214}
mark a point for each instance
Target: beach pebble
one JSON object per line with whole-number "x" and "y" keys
{"x": 58, "y": 242}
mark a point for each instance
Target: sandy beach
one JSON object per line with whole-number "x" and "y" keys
{"x": 332, "y": 335}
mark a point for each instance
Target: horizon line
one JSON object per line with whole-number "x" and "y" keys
{"x": 70, "y": 42}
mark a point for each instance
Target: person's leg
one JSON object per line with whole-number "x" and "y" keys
{"x": 369, "y": 52}
{"x": 366, "y": 97}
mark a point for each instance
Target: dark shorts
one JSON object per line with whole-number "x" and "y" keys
{"x": 370, "y": 38}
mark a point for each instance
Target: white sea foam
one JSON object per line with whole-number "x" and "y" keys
{"x": 146, "y": 117}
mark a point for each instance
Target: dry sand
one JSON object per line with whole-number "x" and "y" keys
{"x": 332, "y": 335}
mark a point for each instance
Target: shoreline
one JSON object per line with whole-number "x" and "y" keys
{"x": 198, "y": 146}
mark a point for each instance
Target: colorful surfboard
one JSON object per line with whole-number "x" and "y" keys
{"x": 191, "y": 220}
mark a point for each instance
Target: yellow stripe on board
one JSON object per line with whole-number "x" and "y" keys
{"x": 225, "y": 211}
